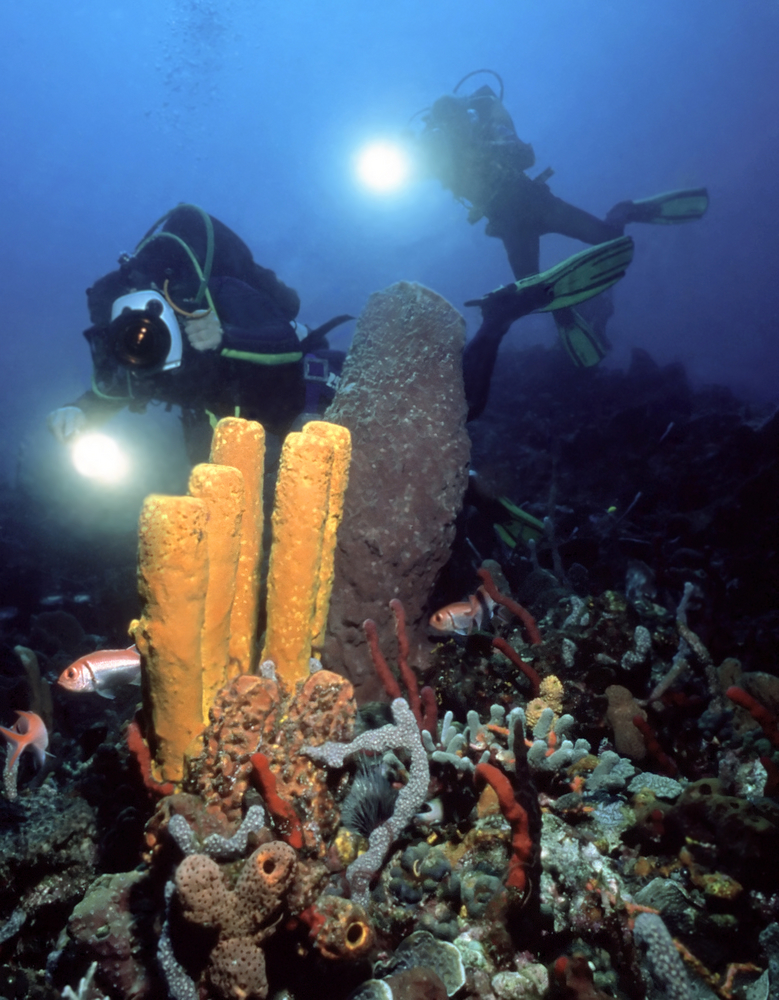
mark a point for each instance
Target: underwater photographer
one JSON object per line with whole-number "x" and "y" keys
{"x": 190, "y": 320}
{"x": 469, "y": 143}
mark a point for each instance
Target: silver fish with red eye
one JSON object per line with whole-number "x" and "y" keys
{"x": 464, "y": 617}
{"x": 102, "y": 672}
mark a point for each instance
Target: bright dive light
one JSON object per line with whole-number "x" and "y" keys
{"x": 382, "y": 166}
{"x": 98, "y": 456}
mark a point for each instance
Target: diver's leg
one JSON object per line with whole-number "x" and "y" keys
{"x": 499, "y": 310}
{"x": 528, "y": 210}
{"x": 568, "y": 220}
{"x": 479, "y": 361}
{"x": 516, "y": 218}
{"x": 668, "y": 208}
{"x": 523, "y": 249}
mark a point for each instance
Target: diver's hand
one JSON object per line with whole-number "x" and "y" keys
{"x": 67, "y": 423}
{"x": 204, "y": 332}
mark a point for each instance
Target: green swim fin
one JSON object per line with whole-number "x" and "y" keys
{"x": 670, "y": 207}
{"x": 574, "y": 280}
{"x": 587, "y": 273}
{"x": 520, "y": 526}
{"x": 584, "y": 345}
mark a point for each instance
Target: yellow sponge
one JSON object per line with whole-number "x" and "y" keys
{"x": 241, "y": 444}
{"x": 307, "y": 509}
{"x": 173, "y": 579}
{"x": 220, "y": 487}
{"x": 341, "y": 440}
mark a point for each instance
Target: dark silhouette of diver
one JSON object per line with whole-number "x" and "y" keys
{"x": 470, "y": 144}
{"x": 189, "y": 319}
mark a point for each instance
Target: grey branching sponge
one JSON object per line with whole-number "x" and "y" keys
{"x": 403, "y": 735}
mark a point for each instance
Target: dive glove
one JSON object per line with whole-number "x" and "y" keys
{"x": 204, "y": 333}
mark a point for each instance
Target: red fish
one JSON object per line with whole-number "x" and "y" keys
{"x": 102, "y": 672}
{"x": 464, "y": 617}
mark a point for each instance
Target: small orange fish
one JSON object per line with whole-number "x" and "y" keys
{"x": 29, "y": 733}
{"x": 102, "y": 672}
{"x": 464, "y": 617}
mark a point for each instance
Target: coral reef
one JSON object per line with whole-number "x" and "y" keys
{"x": 594, "y": 815}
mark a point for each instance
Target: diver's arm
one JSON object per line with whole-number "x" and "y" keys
{"x": 98, "y": 409}
{"x": 85, "y": 413}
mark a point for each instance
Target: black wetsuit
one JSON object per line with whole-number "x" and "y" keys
{"x": 470, "y": 145}
{"x": 256, "y": 312}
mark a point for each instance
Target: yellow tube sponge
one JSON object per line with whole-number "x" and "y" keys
{"x": 220, "y": 487}
{"x": 341, "y": 440}
{"x": 300, "y": 517}
{"x": 241, "y": 444}
{"x": 173, "y": 580}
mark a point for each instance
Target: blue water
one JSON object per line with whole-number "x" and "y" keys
{"x": 115, "y": 111}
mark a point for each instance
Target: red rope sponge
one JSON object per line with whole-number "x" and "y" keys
{"x": 759, "y": 712}
{"x": 386, "y": 676}
{"x": 284, "y": 816}
{"x": 526, "y": 668}
{"x": 422, "y": 703}
{"x": 507, "y": 602}
{"x": 664, "y": 762}
{"x": 138, "y": 747}
{"x": 521, "y": 844}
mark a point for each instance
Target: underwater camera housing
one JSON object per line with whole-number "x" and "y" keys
{"x": 145, "y": 333}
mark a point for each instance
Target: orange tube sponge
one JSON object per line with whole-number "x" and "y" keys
{"x": 300, "y": 519}
{"x": 173, "y": 579}
{"x": 341, "y": 440}
{"x": 220, "y": 487}
{"x": 241, "y": 444}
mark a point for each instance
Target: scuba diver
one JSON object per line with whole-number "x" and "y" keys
{"x": 470, "y": 145}
{"x": 189, "y": 319}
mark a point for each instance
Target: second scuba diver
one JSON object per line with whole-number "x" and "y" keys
{"x": 470, "y": 144}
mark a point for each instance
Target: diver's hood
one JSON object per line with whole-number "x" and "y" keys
{"x": 145, "y": 333}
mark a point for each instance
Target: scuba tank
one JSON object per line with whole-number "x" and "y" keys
{"x": 470, "y": 144}
{"x": 494, "y": 119}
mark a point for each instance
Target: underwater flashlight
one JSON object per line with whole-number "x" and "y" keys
{"x": 383, "y": 166}
{"x": 97, "y": 456}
